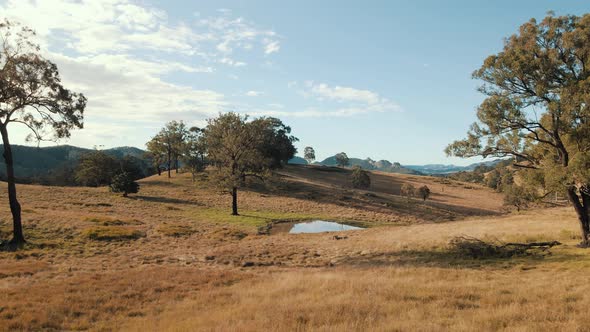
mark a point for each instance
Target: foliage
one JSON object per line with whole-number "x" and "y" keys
{"x": 424, "y": 192}
{"x": 309, "y": 154}
{"x": 537, "y": 109}
{"x": 276, "y": 142}
{"x": 342, "y": 159}
{"x": 360, "y": 178}
{"x": 193, "y": 152}
{"x": 96, "y": 169}
{"x": 31, "y": 95}
{"x": 233, "y": 149}
{"x": 167, "y": 146}
{"x": 407, "y": 190}
{"x": 124, "y": 183}
{"x": 517, "y": 196}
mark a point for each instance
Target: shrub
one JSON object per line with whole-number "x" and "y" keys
{"x": 517, "y": 196}
{"x": 360, "y": 178}
{"x": 424, "y": 192}
{"x": 407, "y": 190}
{"x": 124, "y": 183}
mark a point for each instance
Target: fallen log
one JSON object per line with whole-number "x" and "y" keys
{"x": 476, "y": 248}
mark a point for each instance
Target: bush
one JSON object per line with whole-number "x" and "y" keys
{"x": 517, "y": 196}
{"x": 124, "y": 183}
{"x": 424, "y": 192}
{"x": 407, "y": 190}
{"x": 360, "y": 178}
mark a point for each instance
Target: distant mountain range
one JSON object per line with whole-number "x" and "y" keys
{"x": 387, "y": 166}
{"x": 447, "y": 169}
{"x": 368, "y": 164}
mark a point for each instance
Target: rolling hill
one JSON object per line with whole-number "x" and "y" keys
{"x": 172, "y": 258}
{"x": 41, "y": 164}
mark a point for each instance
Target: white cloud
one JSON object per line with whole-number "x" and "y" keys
{"x": 340, "y": 100}
{"x": 231, "y": 62}
{"x": 120, "y": 54}
{"x": 253, "y": 93}
{"x": 272, "y": 47}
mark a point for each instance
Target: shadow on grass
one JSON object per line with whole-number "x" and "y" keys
{"x": 447, "y": 258}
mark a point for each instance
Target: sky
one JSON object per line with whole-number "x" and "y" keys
{"x": 380, "y": 79}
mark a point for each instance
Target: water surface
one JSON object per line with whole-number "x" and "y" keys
{"x": 314, "y": 226}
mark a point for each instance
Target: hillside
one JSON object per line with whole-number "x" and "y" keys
{"x": 38, "y": 164}
{"x": 172, "y": 258}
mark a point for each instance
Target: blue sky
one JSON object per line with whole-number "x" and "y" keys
{"x": 380, "y": 79}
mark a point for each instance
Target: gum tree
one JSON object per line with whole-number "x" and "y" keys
{"x": 309, "y": 154}
{"x": 31, "y": 95}
{"x": 233, "y": 149}
{"x": 537, "y": 110}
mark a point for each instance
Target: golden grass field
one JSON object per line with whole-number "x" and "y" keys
{"x": 171, "y": 258}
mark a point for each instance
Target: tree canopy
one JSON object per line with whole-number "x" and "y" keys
{"x": 342, "y": 159}
{"x": 309, "y": 154}
{"x": 233, "y": 148}
{"x": 537, "y": 109}
{"x": 31, "y": 95}
{"x": 167, "y": 146}
{"x": 276, "y": 141}
{"x": 360, "y": 178}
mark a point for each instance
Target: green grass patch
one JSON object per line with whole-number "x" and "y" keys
{"x": 113, "y": 233}
{"x": 250, "y": 218}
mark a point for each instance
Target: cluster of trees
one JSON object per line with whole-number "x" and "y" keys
{"x": 100, "y": 169}
{"x": 236, "y": 148}
{"x": 537, "y": 110}
{"x": 408, "y": 190}
{"x": 176, "y": 143}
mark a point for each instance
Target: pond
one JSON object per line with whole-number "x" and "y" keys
{"x": 313, "y": 226}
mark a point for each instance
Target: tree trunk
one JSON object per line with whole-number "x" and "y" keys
{"x": 176, "y": 163}
{"x": 159, "y": 171}
{"x": 581, "y": 208}
{"x": 17, "y": 237}
{"x": 169, "y": 163}
{"x": 234, "y": 201}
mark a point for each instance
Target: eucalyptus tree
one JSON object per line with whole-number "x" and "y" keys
{"x": 277, "y": 142}
{"x": 233, "y": 149}
{"x": 31, "y": 95}
{"x": 168, "y": 144}
{"x": 537, "y": 110}
{"x": 309, "y": 154}
{"x": 342, "y": 159}
{"x": 193, "y": 153}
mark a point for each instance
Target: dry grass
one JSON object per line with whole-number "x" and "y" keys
{"x": 113, "y": 233}
{"x": 197, "y": 268}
